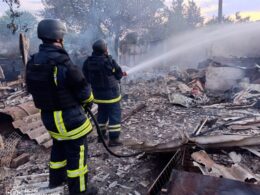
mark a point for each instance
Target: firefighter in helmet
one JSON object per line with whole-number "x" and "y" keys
{"x": 104, "y": 74}
{"x": 60, "y": 90}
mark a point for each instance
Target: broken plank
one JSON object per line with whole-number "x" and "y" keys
{"x": 251, "y": 120}
{"x": 244, "y": 127}
{"x": 220, "y": 141}
{"x": 254, "y": 150}
{"x": 132, "y": 112}
{"x": 202, "y": 125}
{"x": 163, "y": 147}
{"x": 20, "y": 160}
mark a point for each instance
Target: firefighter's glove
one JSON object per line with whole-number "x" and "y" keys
{"x": 125, "y": 74}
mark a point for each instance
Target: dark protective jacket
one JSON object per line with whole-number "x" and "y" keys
{"x": 104, "y": 74}
{"x": 60, "y": 90}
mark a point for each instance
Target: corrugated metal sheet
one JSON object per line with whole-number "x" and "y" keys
{"x": 27, "y": 119}
{"x": 185, "y": 183}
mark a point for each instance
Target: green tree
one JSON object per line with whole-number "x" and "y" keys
{"x": 105, "y": 18}
{"x": 176, "y": 20}
{"x": 183, "y": 16}
{"x": 193, "y": 15}
{"x": 228, "y": 19}
{"x": 25, "y": 23}
{"x": 14, "y": 14}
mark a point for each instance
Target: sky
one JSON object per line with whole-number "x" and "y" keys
{"x": 208, "y": 7}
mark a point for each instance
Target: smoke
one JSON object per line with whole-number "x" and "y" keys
{"x": 10, "y": 47}
{"x": 188, "y": 49}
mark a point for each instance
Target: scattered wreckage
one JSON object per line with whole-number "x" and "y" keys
{"x": 208, "y": 117}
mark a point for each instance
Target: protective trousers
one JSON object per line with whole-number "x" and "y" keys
{"x": 68, "y": 160}
{"x": 109, "y": 117}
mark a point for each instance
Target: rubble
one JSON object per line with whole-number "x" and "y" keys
{"x": 21, "y": 159}
{"x": 160, "y": 115}
{"x": 254, "y": 150}
{"x": 182, "y": 100}
{"x": 9, "y": 150}
{"x": 222, "y": 78}
{"x": 193, "y": 183}
{"x": 235, "y": 172}
{"x": 27, "y": 119}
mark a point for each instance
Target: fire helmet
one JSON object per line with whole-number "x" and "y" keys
{"x": 100, "y": 46}
{"x": 51, "y": 29}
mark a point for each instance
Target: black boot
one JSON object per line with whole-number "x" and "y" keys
{"x": 57, "y": 177}
{"x": 52, "y": 185}
{"x": 103, "y": 132}
{"x": 90, "y": 191}
{"x": 114, "y": 142}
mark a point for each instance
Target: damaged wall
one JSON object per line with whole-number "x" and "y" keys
{"x": 12, "y": 68}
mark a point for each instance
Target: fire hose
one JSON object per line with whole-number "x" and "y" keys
{"x": 103, "y": 141}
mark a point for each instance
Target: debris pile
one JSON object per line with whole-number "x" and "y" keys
{"x": 211, "y": 112}
{"x": 208, "y": 108}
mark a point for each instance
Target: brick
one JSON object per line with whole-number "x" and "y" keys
{"x": 20, "y": 160}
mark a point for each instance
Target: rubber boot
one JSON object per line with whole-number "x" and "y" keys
{"x": 90, "y": 191}
{"x": 51, "y": 185}
{"x": 114, "y": 142}
{"x": 57, "y": 178}
{"x": 103, "y": 132}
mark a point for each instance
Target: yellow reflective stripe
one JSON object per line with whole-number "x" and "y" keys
{"x": 114, "y": 126}
{"x": 115, "y": 130}
{"x": 86, "y": 124}
{"x": 61, "y": 137}
{"x": 77, "y": 172}
{"x": 59, "y": 122}
{"x": 81, "y": 167}
{"x": 55, "y": 73}
{"x": 90, "y": 99}
{"x": 81, "y": 171}
{"x": 58, "y": 165}
{"x": 108, "y": 101}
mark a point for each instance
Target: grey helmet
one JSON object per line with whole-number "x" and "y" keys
{"x": 51, "y": 29}
{"x": 100, "y": 46}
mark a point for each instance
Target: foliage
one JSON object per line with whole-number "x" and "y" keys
{"x": 228, "y": 19}
{"x": 14, "y": 14}
{"x": 183, "y": 16}
{"x": 103, "y": 18}
{"x": 25, "y": 23}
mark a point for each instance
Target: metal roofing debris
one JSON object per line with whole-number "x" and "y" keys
{"x": 235, "y": 172}
{"x": 185, "y": 183}
{"x": 6, "y": 154}
{"x": 27, "y": 119}
{"x": 214, "y": 141}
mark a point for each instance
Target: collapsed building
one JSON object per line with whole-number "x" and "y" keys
{"x": 201, "y": 123}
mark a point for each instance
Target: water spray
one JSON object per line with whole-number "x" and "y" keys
{"x": 192, "y": 42}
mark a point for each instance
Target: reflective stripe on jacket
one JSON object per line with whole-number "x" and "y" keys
{"x": 68, "y": 124}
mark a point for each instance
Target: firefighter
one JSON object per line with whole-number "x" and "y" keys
{"x": 104, "y": 74}
{"x": 60, "y": 90}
